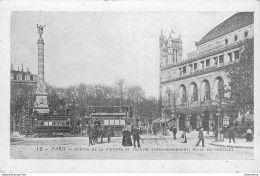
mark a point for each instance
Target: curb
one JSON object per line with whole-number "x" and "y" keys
{"x": 232, "y": 146}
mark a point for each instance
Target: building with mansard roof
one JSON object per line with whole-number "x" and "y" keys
{"x": 192, "y": 89}
{"x": 22, "y": 76}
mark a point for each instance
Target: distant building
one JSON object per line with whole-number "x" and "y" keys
{"x": 22, "y": 77}
{"x": 192, "y": 89}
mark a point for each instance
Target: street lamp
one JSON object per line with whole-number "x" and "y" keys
{"x": 218, "y": 114}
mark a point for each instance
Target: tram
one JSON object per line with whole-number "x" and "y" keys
{"x": 50, "y": 121}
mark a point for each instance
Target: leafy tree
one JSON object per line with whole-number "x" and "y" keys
{"x": 241, "y": 86}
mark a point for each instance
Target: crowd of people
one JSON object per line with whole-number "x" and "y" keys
{"x": 131, "y": 136}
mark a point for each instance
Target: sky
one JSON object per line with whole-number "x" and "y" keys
{"x": 100, "y": 47}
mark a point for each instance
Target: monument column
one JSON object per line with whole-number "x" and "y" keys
{"x": 40, "y": 59}
{"x": 41, "y": 94}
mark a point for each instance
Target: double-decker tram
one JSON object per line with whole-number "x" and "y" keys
{"x": 51, "y": 122}
{"x": 115, "y": 117}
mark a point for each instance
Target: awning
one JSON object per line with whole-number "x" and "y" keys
{"x": 156, "y": 120}
{"x": 162, "y": 120}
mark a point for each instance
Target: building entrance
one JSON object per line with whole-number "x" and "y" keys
{"x": 193, "y": 122}
{"x": 181, "y": 121}
{"x": 205, "y": 120}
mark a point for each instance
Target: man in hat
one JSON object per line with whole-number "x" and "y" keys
{"x": 136, "y": 137}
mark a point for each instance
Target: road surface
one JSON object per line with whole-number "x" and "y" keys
{"x": 153, "y": 147}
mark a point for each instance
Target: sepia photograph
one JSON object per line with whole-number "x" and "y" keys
{"x": 143, "y": 89}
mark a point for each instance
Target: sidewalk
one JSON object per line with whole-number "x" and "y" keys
{"x": 240, "y": 143}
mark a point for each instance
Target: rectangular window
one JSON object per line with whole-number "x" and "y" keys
{"x": 50, "y": 123}
{"x": 180, "y": 71}
{"x": 215, "y": 60}
{"x": 202, "y": 64}
{"x": 195, "y": 66}
{"x": 221, "y": 59}
{"x": 23, "y": 76}
{"x": 54, "y": 123}
{"x": 207, "y": 62}
{"x": 31, "y": 77}
{"x": 184, "y": 69}
{"x": 230, "y": 55}
{"x": 67, "y": 123}
{"x": 236, "y": 53}
{"x": 122, "y": 122}
{"x": 45, "y": 123}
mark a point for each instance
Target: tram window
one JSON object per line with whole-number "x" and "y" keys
{"x": 59, "y": 123}
{"x": 41, "y": 123}
{"x": 67, "y": 123}
{"x": 116, "y": 122}
{"x": 122, "y": 122}
{"x": 54, "y": 123}
{"x": 106, "y": 122}
{"x": 63, "y": 123}
{"x": 112, "y": 122}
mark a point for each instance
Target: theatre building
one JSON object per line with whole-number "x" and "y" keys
{"x": 193, "y": 89}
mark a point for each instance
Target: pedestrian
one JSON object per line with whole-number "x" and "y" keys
{"x": 231, "y": 134}
{"x": 90, "y": 133}
{"x": 174, "y": 132}
{"x": 207, "y": 131}
{"x": 124, "y": 136}
{"x": 184, "y": 135}
{"x": 249, "y": 135}
{"x": 216, "y": 133}
{"x": 136, "y": 137}
{"x": 221, "y": 134}
{"x": 201, "y": 137}
{"x": 109, "y": 133}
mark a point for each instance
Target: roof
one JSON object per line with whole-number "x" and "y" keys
{"x": 235, "y": 22}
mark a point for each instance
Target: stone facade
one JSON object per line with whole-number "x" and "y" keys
{"x": 192, "y": 89}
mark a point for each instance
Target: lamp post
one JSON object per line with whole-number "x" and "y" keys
{"x": 219, "y": 113}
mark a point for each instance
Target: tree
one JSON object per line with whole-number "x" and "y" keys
{"x": 241, "y": 86}
{"x": 22, "y": 99}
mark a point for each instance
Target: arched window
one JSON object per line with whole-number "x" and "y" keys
{"x": 221, "y": 88}
{"x": 183, "y": 94}
{"x": 195, "y": 92}
{"x": 207, "y": 90}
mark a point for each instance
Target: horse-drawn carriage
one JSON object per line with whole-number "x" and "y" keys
{"x": 97, "y": 133}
